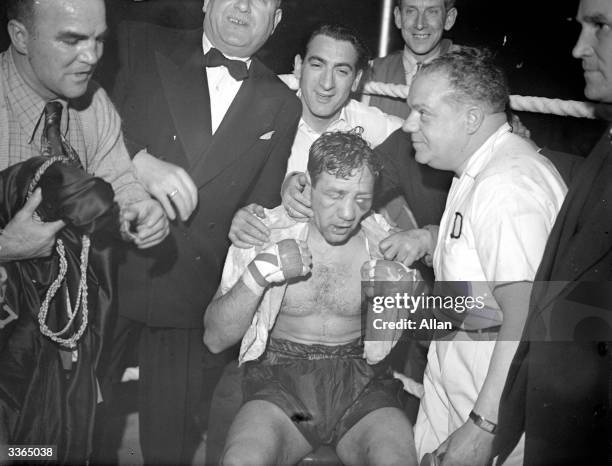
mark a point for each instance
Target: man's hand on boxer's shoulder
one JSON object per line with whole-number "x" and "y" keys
{"x": 296, "y": 197}
{"x": 144, "y": 223}
{"x": 247, "y": 230}
{"x": 519, "y": 128}
{"x": 168, "y": 183}
{"x": 278, "y": 263}
{"x": 25, "y": 237}
{"x": 408, "y": 246}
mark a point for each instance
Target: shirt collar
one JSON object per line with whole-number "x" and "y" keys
{"x": 373, "y": 227}
{"x": 341, "y": 118}
{"x": 483, "y": 154}
{"x": 410, "y": 61}
{"x": 207, "y": 45}
{"x": 27, "y": 104}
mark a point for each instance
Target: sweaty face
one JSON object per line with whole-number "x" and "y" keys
{"x": 422, "y": 23}
{"x": 594, "y": 47}
{"x": 339, "y": 204}
{"x": 239, "y": 28}
{"x": 64, "y": 44}
{"x": 328, "y": 76}
{"x": 435, "y": 123}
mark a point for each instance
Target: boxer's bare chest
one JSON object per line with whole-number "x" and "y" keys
{"x": 334, "y": 286}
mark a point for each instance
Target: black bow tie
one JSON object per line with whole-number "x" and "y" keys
{"x": 238, "y": 69}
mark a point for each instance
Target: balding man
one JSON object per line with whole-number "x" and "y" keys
{"x": 50, "y": 106}
{"x": 211, "y": 128}
{"x": 500, "y": 210}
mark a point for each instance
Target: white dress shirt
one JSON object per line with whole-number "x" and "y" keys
{"x": 508, "y": 197}
{"x": 222, "y": 88}
{"x": 376, "y": 124}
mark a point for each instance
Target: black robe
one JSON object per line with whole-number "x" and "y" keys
{"x": 40, "y": 402}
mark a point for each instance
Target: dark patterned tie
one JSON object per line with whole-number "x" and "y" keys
{"x": 237, "y": 69}
{"x": 56, "y": 145}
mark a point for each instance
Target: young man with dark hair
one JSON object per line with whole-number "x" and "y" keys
{"x": 330, "y": 70}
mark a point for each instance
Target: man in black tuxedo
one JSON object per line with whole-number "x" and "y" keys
{"x": 559, "y": 388}
{"x": 209, "y": 135}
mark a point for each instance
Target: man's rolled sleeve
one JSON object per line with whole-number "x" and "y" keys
{"x": 510, "y": 230}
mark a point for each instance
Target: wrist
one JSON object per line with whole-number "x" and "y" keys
{"x": 483, "y": 423}
{"x": 430, "y": 243}
{"x": 256, "y": 286}
{"x": 9, "y": 250}
{"x": 140, "y": 155}
{"x": 287, "y": 181}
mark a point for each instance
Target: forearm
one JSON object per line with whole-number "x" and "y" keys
{"x": 514, "y": 301}
{"x": 117, "y": 169}
{"x": 228, "y": 316}
{"x": 433, "y": 231}
{"x": 9, "y": 250}
{"x": 487, "y": 404}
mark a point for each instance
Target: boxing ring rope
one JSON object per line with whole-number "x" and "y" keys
{"x": 572, "y": 108}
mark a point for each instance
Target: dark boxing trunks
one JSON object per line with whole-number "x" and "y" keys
{"x": 324, "y": 390}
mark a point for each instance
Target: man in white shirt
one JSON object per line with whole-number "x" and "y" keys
{"x": 501, "y": 207}
{"x": 330, "y": 71}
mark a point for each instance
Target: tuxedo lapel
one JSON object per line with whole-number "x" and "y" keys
{"x": 593, "y": 240}
{"x": 250, "y": 115}
{"x": 186, "y": 89}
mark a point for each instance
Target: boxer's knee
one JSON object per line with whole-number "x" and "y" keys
{"x": 245, "y": 454}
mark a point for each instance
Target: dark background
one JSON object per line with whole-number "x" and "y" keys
{"x": 533, "y": 41}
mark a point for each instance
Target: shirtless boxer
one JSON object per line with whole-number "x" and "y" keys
{"x": 311, "y": 384}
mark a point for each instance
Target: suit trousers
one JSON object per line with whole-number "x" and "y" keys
{"x": 174, "y": 366}
{"x": 171, "y": 381}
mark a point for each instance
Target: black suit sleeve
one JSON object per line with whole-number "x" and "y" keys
{"x": 389, "y": 184}
{"x": 132, "y": 36}
{"x": 136, "y": 91}
{"x": 424, "y": 188}
{"x": 566, "y": 164}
